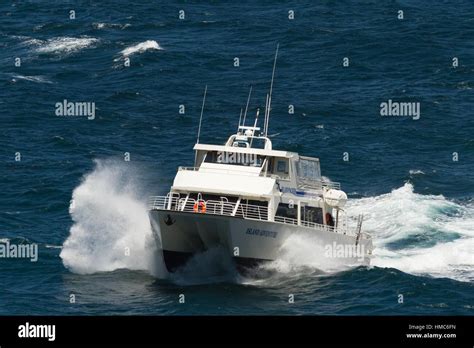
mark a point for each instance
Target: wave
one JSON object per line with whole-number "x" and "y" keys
{"x": 141, "y": 47}
{"x": 416, "y": 172}
{"x": 37, "y": 79}
{"x": 111, "y": 228}
{"x": 48, "y": 246}
{"x": 423, "y": 235}
{"x": 302, "y": 253}
{"x": 62, "y": 45}
{"x": 419, "y": 234}
{"x": 110, "y": 26}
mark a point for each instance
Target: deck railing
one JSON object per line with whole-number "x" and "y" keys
{"x": 305, "y": 184}
{"x": 247, "y": 211}
{"x": 237, "y": 209}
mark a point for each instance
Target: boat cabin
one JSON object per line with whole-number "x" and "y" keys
{"x": 246, "y": 176}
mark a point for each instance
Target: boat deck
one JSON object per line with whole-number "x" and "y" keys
{"x": 239, "y": 210}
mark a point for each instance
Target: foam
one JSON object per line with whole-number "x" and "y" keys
{"x": 63, "y": 45}
{"x": 37, "y": 79}
{"x": 109, "y": 217}
{"x": 141, "y": 47}
{"x": 419, "y": 234}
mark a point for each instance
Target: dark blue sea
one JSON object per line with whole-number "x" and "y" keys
{"x": 66, "y": 184}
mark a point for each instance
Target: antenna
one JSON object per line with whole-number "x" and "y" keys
{"x": 240, "y": 118}
{"x": 256, "y": 118}
{"x": 247, "y": 106}
{"x": 267, "y": 114}
{"x": 254, "y": 126}
{"x": 265, "y": 119}
{"x": 202, "y": 111}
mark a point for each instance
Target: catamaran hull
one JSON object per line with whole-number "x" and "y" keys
{"x": 250, "y": 242}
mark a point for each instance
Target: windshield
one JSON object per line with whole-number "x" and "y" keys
{"x": 234, "y": 158}
{"x": 308, "y": 168}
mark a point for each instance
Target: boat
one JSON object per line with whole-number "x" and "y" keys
{"x": 248, "y": 199}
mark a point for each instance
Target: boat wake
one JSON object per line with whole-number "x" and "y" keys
{"x": 420, "y": 234}
{"x": 417, "y": 234}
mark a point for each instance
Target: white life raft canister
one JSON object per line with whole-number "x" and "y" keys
{"x": 335, "y": 198}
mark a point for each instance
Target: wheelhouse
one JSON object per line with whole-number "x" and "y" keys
{"x": 246, "y": 176}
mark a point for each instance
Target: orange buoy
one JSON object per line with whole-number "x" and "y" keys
{"x": 199, "y": 207}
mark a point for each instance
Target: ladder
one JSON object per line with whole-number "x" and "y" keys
{"x": 359, "y": 228}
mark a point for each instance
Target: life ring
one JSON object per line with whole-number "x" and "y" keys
{"x": 199, "y": 207}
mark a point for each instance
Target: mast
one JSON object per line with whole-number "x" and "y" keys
{"x": 202, "y": 111}
{"x": 265, "y": 118}
{"x": 267, "y": 111}
{"x": 247, "y": 106}
{"x": 240, "y": 118}
{"x": 254, "y": 126}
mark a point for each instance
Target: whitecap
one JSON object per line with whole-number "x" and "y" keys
{"x": 48, "y": 246}
{"x": 141, "y": 47}
{"x": 37, "y": 79}
{"x": 416, "y": 172}
{"x": 63, "y": 45}
{"x": 100, "y": 26}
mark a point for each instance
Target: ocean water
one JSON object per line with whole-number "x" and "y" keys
{"x": 417, "y": 201}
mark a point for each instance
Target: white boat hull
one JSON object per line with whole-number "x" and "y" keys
{"x": 248, "y": 241}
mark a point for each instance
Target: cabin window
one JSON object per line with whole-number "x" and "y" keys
{"x": 234, "y": 158}
{"x": 253, "y": 209}
{"x": 210, "y": 157}
{"x": 287, "y": 210}
{"x": 253, "y": 202}
{"x": 308, "y": 168}
{"x": 281, "y": 167}
{"x": 312, "y": 214}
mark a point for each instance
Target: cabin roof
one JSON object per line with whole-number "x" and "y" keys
{"x": 256, "y": 151}
{"x": 214, "y": 182}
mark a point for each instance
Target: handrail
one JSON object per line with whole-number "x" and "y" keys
{"x": 241, "y": 210}
{"x": 247, "y": 211}
{"x": 317, "y": 184}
